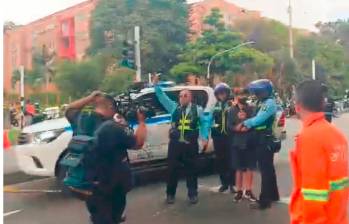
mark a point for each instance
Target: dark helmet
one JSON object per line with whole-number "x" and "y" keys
{"x": 261, "y": 85}
{"x": 222, "y": 88}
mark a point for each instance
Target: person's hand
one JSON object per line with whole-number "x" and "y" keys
{"x": 204, "y": 144}
{"x": 244, "y": 129}
{"x": 155, "y": 79}
{"x": 140, "y": 117}
{"x": 242, "y": 115}
{"x": 95, "y": 94}
{"x": 119, "y": 119}
{"x": 238, "y": 127}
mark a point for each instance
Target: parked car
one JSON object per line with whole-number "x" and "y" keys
{"x": 51, "y": 112}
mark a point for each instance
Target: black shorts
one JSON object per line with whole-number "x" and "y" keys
{"x": 244, "y": 158}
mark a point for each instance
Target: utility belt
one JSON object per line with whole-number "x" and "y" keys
{"x": 189, "y": 136}
{"x": 267, "y": 138}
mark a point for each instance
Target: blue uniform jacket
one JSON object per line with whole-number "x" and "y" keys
{"x": 267, "y": 109}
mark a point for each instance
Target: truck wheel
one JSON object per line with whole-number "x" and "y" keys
{"x": 61, "y": 172}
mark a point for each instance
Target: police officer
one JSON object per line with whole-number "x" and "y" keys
{"x": 112, "y": 139}
{"x": 188, "y": 121}
{"x": 262, "y": 123}
{"x": 219, "y": 134}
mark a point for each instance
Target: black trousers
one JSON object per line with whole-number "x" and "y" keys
{"x": 182, "y": 157}
{"x": 265, "y": 159}
{"x": 106, "y": 208}
{"x": 108, "y": 201}
{"x": 222, "y": 149}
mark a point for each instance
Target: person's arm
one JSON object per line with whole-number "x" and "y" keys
{"x": 136, "y": 140}
{"x": 81, "y": 103}
{"x": 314, "y": 180}
{"x": 140, "y": 135}
{"x": 269, "y": 109}
{"x": 205, "y": 124}
{"x": 166, "y": 102}
{"x": 232, "y": 120}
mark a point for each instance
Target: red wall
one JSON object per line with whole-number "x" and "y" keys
{"x": 21, "y": 42}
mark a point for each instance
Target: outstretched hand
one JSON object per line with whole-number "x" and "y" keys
{"x": 155, "y": 79}
{"x": 241, "y": 128}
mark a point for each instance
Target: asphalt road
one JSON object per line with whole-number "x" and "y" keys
{"x": 146, "y": 203}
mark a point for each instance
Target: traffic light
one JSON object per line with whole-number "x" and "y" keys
{"x": 128, "y": 55}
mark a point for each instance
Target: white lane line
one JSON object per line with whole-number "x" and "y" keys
{"x": 285, "y": 200}
{"x": 11, "y": 189}
{"x": 11, "y": 213}
{"x": 213, "y": 189}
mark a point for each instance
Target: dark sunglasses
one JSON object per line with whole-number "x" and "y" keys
{"x": 183, "y": 95}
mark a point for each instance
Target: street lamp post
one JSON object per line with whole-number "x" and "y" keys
{"x": 223, "y": 52}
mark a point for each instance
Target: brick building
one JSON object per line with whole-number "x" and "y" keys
{"x": 231, "y": 14}
{"x": 64, "y": 34}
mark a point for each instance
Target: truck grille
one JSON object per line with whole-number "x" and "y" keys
{"x": 23, "y": 138}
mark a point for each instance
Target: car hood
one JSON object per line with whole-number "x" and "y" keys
{"x": 47, "y": 125}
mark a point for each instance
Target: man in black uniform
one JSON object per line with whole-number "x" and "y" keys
{"x": 188, "y": 121}
{"x": 220, "y": 137}
{"x": 112, "y": 139}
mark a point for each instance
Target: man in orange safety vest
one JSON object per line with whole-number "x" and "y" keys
{"x": 319, "y": 163}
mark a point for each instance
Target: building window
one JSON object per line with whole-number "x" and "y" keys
{"x": 65, "y": 29}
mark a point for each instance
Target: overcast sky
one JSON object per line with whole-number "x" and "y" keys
{"x": 306, "y": 12}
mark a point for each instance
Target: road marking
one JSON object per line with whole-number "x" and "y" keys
{"x": 285, "y": 200}
{"x": 11, "y": 213}
{"x": 213, "y": 189}
{"x": 10, "y": 189}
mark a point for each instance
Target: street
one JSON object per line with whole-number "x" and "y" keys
{"x": 146, "y": 204}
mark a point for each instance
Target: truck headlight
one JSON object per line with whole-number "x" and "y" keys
{"x": 46, "y": 136}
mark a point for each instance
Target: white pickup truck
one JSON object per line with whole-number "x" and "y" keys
{"x": 42, "y": 145}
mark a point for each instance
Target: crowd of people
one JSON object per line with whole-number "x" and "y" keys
{"x": 243, "y": 140}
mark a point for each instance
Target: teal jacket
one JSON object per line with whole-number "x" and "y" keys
{"x": 171, "y": 106}
{"x": 267, "y": 109}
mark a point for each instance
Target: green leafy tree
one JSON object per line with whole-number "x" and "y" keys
{"x": 118, "y": 81}
{"x": 163, "y": 30}
{"x": 35, "y": 77}
{"x": 269, "y": 35}
{"x": 217, "y": 38}
{"x": 329, "y": 56}
{"x": 78, "y": 79}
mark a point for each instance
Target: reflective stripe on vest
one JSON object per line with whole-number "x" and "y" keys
{"x": 184, "y": 125}
{"x": 223, "y": 128}
{"x": 260, "y": 128}
{"x": 323, "y": 195}
{"x": 315, "y": 195}
{"x": 339, "y": 184}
